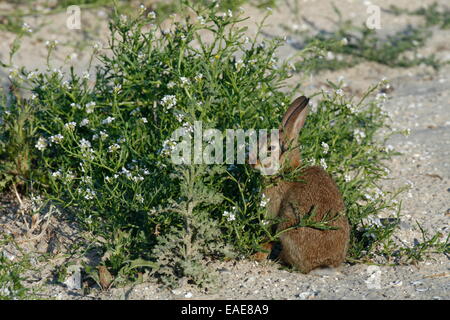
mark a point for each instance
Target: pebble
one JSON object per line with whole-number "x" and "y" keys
{"x": 397, "y": 283}
{"x": 8, "y": 255}
{"x": 177, "y": 292}
{"x": 307, "y": 295}
{"x": 73, "y": 282}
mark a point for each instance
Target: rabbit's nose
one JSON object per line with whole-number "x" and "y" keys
{"x": 267, "y": 164}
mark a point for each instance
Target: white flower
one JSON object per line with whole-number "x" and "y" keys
{"x": 117, "y": 88}
{"x": 85, "y": 144}
{"x": 239, "y": 64}
{"x": 86, "y": 75}
{"x": 201, "y": 20}
{"x": 52, "y": 43}
{"x": 123, "y": 18}
{"x": 184, "y": 81}
{"x": 344, "y": 41}
{"x": 103, "y": 135}
{"x": 58, "y": 71}
{"x": 138, "y": 178}
{"x": 56, "y": 138}
{"x": 84, "y": 122}
{"x": 56, "y": 174}
{"x": 352, "y": 108}
{"x": 151, "y": 15}
{"x": 69, "y": 176}
{"x": 97, "y": 46}
{"x": 368, "y": 196}
{"x": 89, "y": 194}
{"x": 113, "y": 148}
{"x": 140, "y": 198}
{"x": 90, "y": 107}
{"x": 381, "y": 97}
{"x": 169, "y": 101}
{"x": 379, "y": 194}
{"x": 359, "y": 135}
{"x": 126, "y": 172}
{"x": 340, "y": 92}
{"x": 108, "y": 120}
{"x": 86, "y": 179}
{"x": 347, "y": 177}
{"x": 323, "y": 163}
{"x": 31, "y": 75}
{"x": 330, "y": 55}
{"x": 198, "y": 77}
{"x": 264, "y": 201}
{"x": 26, "y": 27}
{"x": 144, "y": 120}
{"x": 229, "y": 215}
{"x": 325, "y": 147}
{"x": 179, "y": 117}
{"x": 171, "y": 84}
{"x": 70, "y": 125}
{"x": 167, "y": 147}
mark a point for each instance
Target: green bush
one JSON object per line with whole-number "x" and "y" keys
{"x": 104, "y": 140}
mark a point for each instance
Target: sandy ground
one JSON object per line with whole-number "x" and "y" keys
{"x": 420, "y": 102}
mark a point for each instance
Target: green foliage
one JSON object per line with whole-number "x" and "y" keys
{"x": 419, "y": 251}
{"x": 16, "y": 137}
{"x": 105, "y": 146}
{"x": 350, "y": 45}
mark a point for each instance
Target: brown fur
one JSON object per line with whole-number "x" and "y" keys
{"x": 307, "y": 248}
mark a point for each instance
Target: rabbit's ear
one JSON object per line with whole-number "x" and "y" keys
{"x": 300, "y": 101}
{"x": 294, "y": 119}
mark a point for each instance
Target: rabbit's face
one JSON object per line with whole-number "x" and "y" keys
{"x": 269, "y": 155}
{"x": 281, "y": 148}
{"x": 273, "y": 155}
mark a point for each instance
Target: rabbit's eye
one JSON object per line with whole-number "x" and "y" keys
{"x": 272, "y": 148}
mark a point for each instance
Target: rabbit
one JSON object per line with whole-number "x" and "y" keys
{"x": 304, "y": 248}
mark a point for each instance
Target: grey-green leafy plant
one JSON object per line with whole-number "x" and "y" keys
{"x": 349, "y": 45}
{"x": 180, "y": 254}
{"x": 11, "y": 275}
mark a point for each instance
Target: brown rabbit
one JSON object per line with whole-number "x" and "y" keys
{"x": 305, "y": 248}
